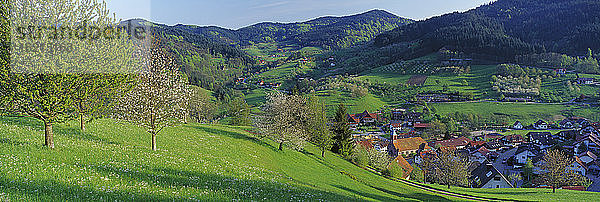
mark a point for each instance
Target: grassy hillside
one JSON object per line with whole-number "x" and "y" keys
{"x": 194, "y": 162}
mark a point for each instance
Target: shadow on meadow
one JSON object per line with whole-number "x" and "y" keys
{"x": 76, "y": 133}
{"x": 13, "y": 142}
{"x": 234, "y": 135}
{"x": 23, "y": 122}
{"x": 414, "y": 196}
{"x": 54, "y": 190}
{"x": 58, "y": 129}
{"x": 234, "y": 187}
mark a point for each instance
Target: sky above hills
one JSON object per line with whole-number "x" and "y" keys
{"x": 239, "y": 13}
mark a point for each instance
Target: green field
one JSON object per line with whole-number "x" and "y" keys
{"x": 353, "y": 105}
{"x": 478, "y": 81}
{"x": 526, "y": 113}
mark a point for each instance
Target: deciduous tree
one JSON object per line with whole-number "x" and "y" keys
{"x": 284, "y": 120}
{"x": 319, "y": 131}
{"x": 160, "y": 97}
{"x": 48, "y": 67}
{"x": 556, "y": 172}
{"x": 453, "y": 168}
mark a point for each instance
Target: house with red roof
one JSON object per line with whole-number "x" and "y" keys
{"x": 363, "y": 118}
{"x": 408, "y": 146}
{"x": 404, "y": 165}
{"x": 455, "y": 143}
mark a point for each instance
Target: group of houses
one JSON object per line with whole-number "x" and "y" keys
{"x": 494, "y": 155}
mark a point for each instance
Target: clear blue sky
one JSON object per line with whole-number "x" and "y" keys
{"x": 239, "y": 13}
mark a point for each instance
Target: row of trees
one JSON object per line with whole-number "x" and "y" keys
{"x": 133, "y": 81}
{"x": 294, "y": 119}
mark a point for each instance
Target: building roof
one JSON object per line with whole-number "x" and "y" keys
{"x": 544, "y": 138}
{"x": 483, "y": 151}
{"x": 422, "y": 125}
{"x": 484, "y": 173}
{"x": 453, "y": 143}
{"x": 409, "y": 144}
{"x": 353, "y": 118}
{"x": 590, "y": 154}
{"x": 406, "y": 167}
{"x": 527, "y": 147}
{"x": 366, "y": 144}
{"x": 581, "y": 163}
{"x": 540, "y": 122}
{"x": 513, "y": 139}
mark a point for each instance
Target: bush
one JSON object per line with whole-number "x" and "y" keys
{"x": 360, "y": 157}
{"x": 417, "y": 174}
{"x": 394, "y": 170}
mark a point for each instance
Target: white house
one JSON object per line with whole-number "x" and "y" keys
{"x": 525, "y": 152}
{"x": 487, "y": 176}
{"x": 517, "y": 126}
{"x": 540, "y": 125}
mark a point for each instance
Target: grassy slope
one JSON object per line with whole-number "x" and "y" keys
{"x": 195, "y": 162}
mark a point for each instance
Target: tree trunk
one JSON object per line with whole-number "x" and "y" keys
{"x": 323, "y": 153}
{"x": 448, "y": 185}
{"x": 553, "y": 189}
{"x": 81, "y": 122}
{"x": 49, "y": 135}
{"x": 153, "y": 142}
{"x": 281, "y": 146}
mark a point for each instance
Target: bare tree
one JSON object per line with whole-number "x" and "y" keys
{"x": 556, "y": 172}
{"x": 284, "y": 119}
{"x": 159, "y": 99}
{"x": 453, "y": 168}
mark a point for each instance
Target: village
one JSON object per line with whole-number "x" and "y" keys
{"x": 494, "y": 156}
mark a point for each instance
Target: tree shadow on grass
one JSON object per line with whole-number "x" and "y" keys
{"x": 23, "y": 122}
{"x": 57, "y": 191}
{"x": 234, "y": 135}
{"x": 12, "y": 142}
{"x": 76, "y": 133}
{"x": 58, "y": 129}
{"x": 235, "y": 188}
{"x": 418, "y": 196}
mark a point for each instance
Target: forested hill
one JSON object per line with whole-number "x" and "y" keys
{"x": 325, "y": 32}
{"x": 506, "y": 28}
{"x": 207, "y": 63}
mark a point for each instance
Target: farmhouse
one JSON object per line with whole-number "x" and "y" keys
{"x": 566, "y": 135}
{"x": 566, "y": 124}
{"x": 512, "y": 140}
{"x": 487, "y": 176}
{"x": 362, "y": 118}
